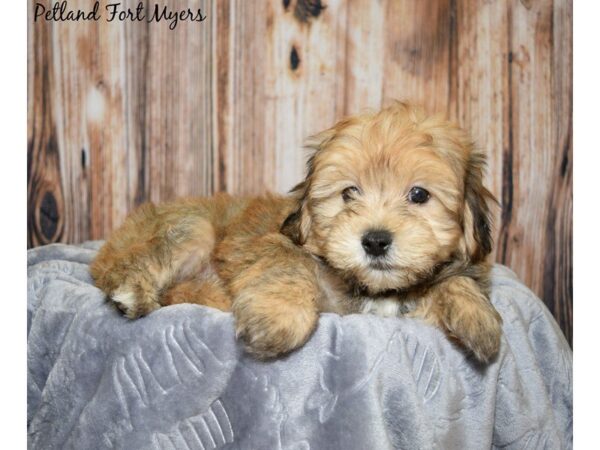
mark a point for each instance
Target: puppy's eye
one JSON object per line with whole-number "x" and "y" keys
{"x": 350, "y": 193}
{"x": 418, "y": 195}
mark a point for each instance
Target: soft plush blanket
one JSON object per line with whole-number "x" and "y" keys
{"x": 178, "y": 379}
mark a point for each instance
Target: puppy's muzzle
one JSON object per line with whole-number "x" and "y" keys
{"x": 377, "y": 242}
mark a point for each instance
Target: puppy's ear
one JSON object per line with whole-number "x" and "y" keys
{"x": 477, "y": 215}
{"x": 297, "y": 224}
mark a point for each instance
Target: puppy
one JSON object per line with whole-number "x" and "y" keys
{"x": 392, "y": 218}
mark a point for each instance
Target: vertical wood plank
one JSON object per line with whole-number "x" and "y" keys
{"x": 90, "y": 118}
{"x": 482, "y": 89}
{"x": 136, "y": 50}
{"x": 179, "y": 103}
{"x": 45, "y": 201}
{"x": 222, "y": 85}
{"x": 105, "y": 127}
{"x": 365, "y": 55}
{"x": 68, "y": 88}
{"x": 285, "y": 76}
{"x": 301, "y": 80}
{"x": 557, "y": 289}
{"x": 241, "y": 140}
{"x": 420, "y": 40}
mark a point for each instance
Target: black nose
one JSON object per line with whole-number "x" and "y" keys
{"x": 377, "y": 243}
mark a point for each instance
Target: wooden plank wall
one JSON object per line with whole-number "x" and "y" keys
{"x": 121, "y": 113}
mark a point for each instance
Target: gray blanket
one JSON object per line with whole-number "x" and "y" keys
{"x": 178, "y": 379}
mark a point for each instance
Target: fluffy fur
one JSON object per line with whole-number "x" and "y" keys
{"x": 276, "y": 262}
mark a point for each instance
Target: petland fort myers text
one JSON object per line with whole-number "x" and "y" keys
{"x": 112, "y": 12}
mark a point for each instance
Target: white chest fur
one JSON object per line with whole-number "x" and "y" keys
{"x": 335, "y": 298}
{"x": 386, "y": 307}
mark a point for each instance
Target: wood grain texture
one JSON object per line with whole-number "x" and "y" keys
{"x": 45, "y": 201}
{"x": 121, "y": 113}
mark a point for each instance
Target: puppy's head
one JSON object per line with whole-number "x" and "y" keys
{"x": 391, "y": 197}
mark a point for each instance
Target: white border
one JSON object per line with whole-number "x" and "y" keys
{"x": 586, "y": 213}
{"x": 13, "y": 169}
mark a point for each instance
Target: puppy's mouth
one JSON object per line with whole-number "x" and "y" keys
{"x": 380, "y": 264}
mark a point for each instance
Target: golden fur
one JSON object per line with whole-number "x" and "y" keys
{"x": 354, "y": 236}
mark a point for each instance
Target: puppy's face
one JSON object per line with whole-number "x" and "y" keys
{"x": 390, "y": 197}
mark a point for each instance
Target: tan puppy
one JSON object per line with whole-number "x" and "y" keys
{"x": 392, "y": 218}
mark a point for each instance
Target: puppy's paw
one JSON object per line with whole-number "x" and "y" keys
{"x": 270, "y": 326}
{"x": 134, "y": 301}
{"x": 478, "y": 328}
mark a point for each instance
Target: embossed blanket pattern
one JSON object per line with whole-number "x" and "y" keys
{"x": 177, "y": 379}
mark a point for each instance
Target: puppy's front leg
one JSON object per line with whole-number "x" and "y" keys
{"x": 275, "y": 298}
{"x": 460, "y": 307}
